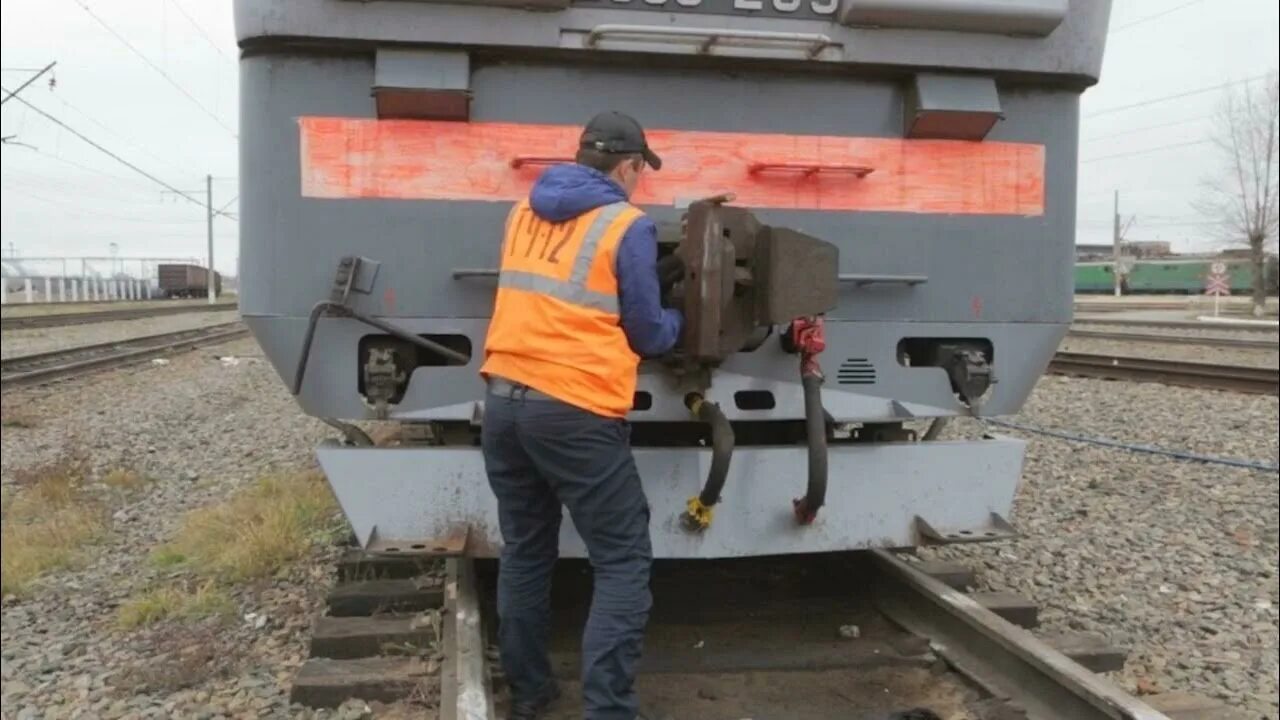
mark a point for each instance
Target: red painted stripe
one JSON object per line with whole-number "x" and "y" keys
{"x": 429, "y": 160}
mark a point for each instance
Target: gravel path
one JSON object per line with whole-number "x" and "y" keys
{"x": 1176, "y": 560}
{"x": 1244, "y": 357}
{"x": 199, "y": 427}
{"x": 36, "y": 340}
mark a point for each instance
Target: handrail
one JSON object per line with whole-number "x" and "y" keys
{"x": 809, "y": 169}
{"x": 860, "y": 279}
{"x": 463, "y": 273}
{"x": 814, "y": 43}
{"x": 520, "y": 161}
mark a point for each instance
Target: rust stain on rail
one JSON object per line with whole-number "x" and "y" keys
{"x": 350, "y": 158}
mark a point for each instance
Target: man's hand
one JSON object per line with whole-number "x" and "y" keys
{"x": 670, "y": 271}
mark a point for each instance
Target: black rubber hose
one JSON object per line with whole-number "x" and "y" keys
{"x": 352, "y": 434}
{"x": 935, "y": 429}
{"x": 722, "y": 442}
{"x": 299, "y": 372}
{"x": 815, "y": 421}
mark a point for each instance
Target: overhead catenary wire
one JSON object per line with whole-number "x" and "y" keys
{"x": 1145, "y": 151}
{"x": 1153, "y": 16}
{"x": 79, "y": 209}
{"x": 86, "y": 168}
{"x": 108, "y": 152}
{"x": 199, "y": 28}
{"x": 169, "y": 78}
{"x": 1174, "y": 96}
{"x": 223, "y": 210}
{"x": 1131, "y": 131}
{"x": 91, "y": 118}
{"x": 29, "y": 80}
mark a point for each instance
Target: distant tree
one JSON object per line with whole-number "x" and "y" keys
{"x": 1243, "y": 197}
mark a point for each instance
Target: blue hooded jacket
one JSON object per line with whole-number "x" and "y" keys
{"x": 564, "y": 192}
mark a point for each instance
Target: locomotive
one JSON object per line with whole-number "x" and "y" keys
{"x": 902, "y": 223}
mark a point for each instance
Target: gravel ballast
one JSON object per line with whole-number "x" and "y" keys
{"x": 200, "y": 427}
{"x": 1177, "y": 560}
{"x": 38, "y": 340}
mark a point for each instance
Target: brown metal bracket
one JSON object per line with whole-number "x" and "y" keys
{"x": 997, "y": 528}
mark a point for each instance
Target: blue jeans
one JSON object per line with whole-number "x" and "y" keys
{"x": 542, "y": 454}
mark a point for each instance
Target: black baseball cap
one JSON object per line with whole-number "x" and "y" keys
{"x": 613, "y": 132}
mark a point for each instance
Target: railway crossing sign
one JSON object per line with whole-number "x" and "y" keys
{"x": 1217, "y": 284}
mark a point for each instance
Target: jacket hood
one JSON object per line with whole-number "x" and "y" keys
{"x": 564, "y": 192}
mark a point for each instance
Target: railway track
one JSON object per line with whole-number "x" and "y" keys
{"x": 824, "y": 637}
{"x": 40, "y": 368}
{"x": 1261, "y": 381}
{"x": 27, "y": 322}
{"x": 1249, "y": 343}
{"x": 1107, "y": 307}
{"x": 1175, "y": 325}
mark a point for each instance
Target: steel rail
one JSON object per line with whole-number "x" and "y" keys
{"x": 1260, "y": 381}
{"x": 26, "y": 322}
{"x": 1176, "y": 339}
{"x": 1106, "y": 307}
{"x": 1007, "y": 661}
{"x": 466, "y": 693}
{"x": 44, "y": 367}
{"x": 1173, "y": 324}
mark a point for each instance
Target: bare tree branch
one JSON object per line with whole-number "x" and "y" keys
{"x": 1244, "y": 200}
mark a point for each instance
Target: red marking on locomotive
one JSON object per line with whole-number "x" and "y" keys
{"x": 488, "y": 161}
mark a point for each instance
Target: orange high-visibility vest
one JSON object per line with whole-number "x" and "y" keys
{"x": 556, "y": 326}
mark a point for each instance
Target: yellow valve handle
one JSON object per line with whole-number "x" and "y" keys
{"x": 700, "y": 514}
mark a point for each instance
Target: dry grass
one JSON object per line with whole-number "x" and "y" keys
{"x": 45, "y": 522}
{"x": 257, "y": 532}
{"x": 203, "y": 601}
{"x": 124, "y": 479}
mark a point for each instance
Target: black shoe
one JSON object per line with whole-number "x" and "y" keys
{"x": 532, "y": 710}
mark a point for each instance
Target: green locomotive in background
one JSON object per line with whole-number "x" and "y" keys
{"x": 1170, "y": 276}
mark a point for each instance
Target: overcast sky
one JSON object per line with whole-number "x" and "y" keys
{"x": 173, "y": 114}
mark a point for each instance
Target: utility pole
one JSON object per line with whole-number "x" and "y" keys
{"x": 210, "y": 212}
{"x": 209, "y": 276}
{"x": 1115, "y": 244}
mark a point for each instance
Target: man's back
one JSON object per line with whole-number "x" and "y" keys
{"x": 578, "y": 302}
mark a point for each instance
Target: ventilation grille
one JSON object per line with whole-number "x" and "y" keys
{"x": 856, "y": 371}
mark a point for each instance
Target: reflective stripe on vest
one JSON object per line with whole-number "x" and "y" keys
{"x": 574, "y": 290}
{"x": 566, "y": 291}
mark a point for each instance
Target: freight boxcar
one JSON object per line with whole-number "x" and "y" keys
{"x": 185, "y": 281}
{"x": 922, "y": 154}
{"x": 1172, "y": 276}
{"x": 1095, "y": 277}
